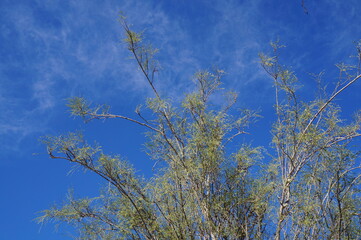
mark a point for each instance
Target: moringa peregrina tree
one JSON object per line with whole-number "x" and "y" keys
{"x": 308, "y": 189}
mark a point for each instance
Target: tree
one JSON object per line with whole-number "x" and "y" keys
{"x": 306, "y": 187}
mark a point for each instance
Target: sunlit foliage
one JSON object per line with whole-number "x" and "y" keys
{"x": 307, "y": 186}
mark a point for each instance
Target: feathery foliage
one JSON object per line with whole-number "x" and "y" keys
{"x": 306, "y": 187}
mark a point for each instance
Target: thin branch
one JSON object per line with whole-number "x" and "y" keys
{"x": 305, "y": 10}
{"x": 233, "y": 136}
{"x": 103, "y": 116}
{"x": 328, "y": 102}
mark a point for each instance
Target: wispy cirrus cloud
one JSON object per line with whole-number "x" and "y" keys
{"x": 57, "y": 49}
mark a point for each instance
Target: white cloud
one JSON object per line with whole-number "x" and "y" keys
{"x": 79, "y": 51}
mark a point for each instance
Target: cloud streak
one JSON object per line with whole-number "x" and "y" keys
{"x": 62, "y": 49}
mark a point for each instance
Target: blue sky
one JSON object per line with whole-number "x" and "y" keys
{"x": 55, "y": 49}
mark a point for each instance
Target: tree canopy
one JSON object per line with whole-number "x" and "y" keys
{"x": 306, "y": 185}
